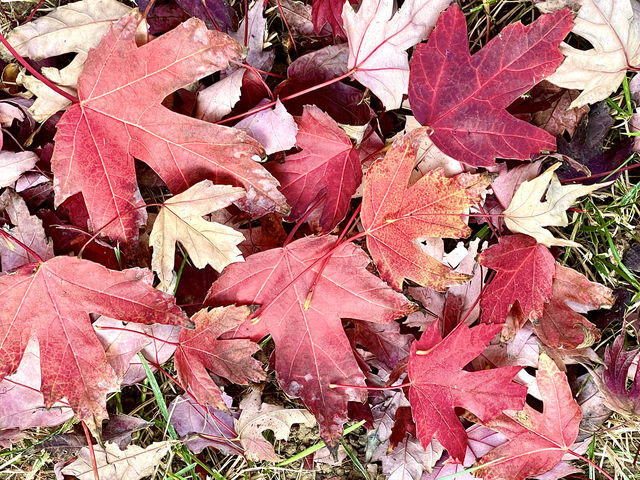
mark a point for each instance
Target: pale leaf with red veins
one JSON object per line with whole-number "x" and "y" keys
{"x": 14, "y": 164}
{"x": 469, "y": 122}
{"x": 396, "y": 216}
{"x": 301, "y": 309}
{"x": 327, "y": 171}
{"x": 524, "y": 274}
{"x": 201, "y": 350}
{"x": 536, "y": 441}
{"x": 27, "y": 229}
{"x": 378, "y": 42}
{"x": 274, "y": 128}
{"x": 439, "y": 383}
{"x": 120, "y": 116}
{"x": 53, "y": 300}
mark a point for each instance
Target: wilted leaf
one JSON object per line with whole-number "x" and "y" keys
{"x": 257, "y": 416}
{"x": 133, "y": 463}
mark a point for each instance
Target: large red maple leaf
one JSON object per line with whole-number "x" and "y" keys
{"x": 327, "y": 165}
{"x": 463, "y": 98}
{"x": 312, "y": 349}
{"x": 120, "y": 116}
{"x": 524, "y": 274}
{"x": 52, "y": 300}
{"x": 537, "y": 441}
{"x": 397, "y": 216}
{"x": 201, "y": 349}
{"x": 439, "y": 383}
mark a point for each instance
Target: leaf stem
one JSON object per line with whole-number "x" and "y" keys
{"x": 35, "y": 73}
{"x": 92, "y": 453}
{"x": 303, "y": 219}
{"x": 377, "y": 389}
{"x": 594, "y": 465}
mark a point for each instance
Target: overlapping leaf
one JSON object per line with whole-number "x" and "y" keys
{"x": 53, "y": 300}
{"x": 469, "y": 121}
{"x": 120, "y": 116}
{"x": 438, "y": 384}
{"x": 397, "y": 216}
{"x": 302, "y": 304}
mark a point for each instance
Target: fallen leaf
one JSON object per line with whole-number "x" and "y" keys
{"x": 206, "y": 243}
{"x": 257, "y": 416}
{"x": 409, "y": 460}
{"x": 396, "y": 216}
{"x": 536, "y": 441}
{"x": 312, "y": 350}
{"x": 132, "y": 463}
{"x": 201, "y": 350}
{"x": 524, "y": 274}
{"x": 274, "y": 128}
{"x": 480, "y": 441}
{"x": 383, "y": 340}
{"x": 98, "y": 138}
{"x": 13, "y": 165}
{"x": 216, "y": 14}
{"x": 561, "y": 325}
{"x": 587, "y": 146}
{"x": 439, "y": 383}
{"x": 378, "y": 40}
{"x": 200, "y": 428}
{"x": 325, "y": 12}
{"x": 612, "y": 28}
{"x": 52, "y": 300}
{"x": 72, "y": 28}
{"x": 470, "y": 122}
{"x": 217, "y": 100}
{"x": 27, "y": 229}
{"x": 613, "y": 379}
{"x": 22, "y": 404}
{"x": 528, "y": 214}
{"x": 121, "y": 342}
{"x": 326, "y": 172}
{"x": 257, "y": 57}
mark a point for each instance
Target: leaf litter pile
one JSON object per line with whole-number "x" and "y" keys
{"x": 225, "y": 224}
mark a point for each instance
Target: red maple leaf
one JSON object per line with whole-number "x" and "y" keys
{"x": 439, "y": 383}
{"x": 537, "y": 441}
{"x": 397, "y": 216}
{"x": 120, "y": 116}
{"x": 524, "y": 275}
{"x": 312, "y": 349}
{"x": 329, "y": 11}
{"x": 52, "y": 300}
{"x": 463, "y": 98}
{"x": 561, "y": 325}
{"x": 201, "y": 349}
{"x": 328, "y": 166}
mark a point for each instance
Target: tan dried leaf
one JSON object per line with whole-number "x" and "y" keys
{"x": 180, "y": 220}
{"x": 528, "y": 214}
{"x": 133, "y": 463}
{"x": 73, "y": 28}
{"x": 256, "y": 417}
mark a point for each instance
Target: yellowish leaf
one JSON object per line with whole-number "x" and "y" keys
{"x": 207, "y": 243}
{"x": 528, "y": 214}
